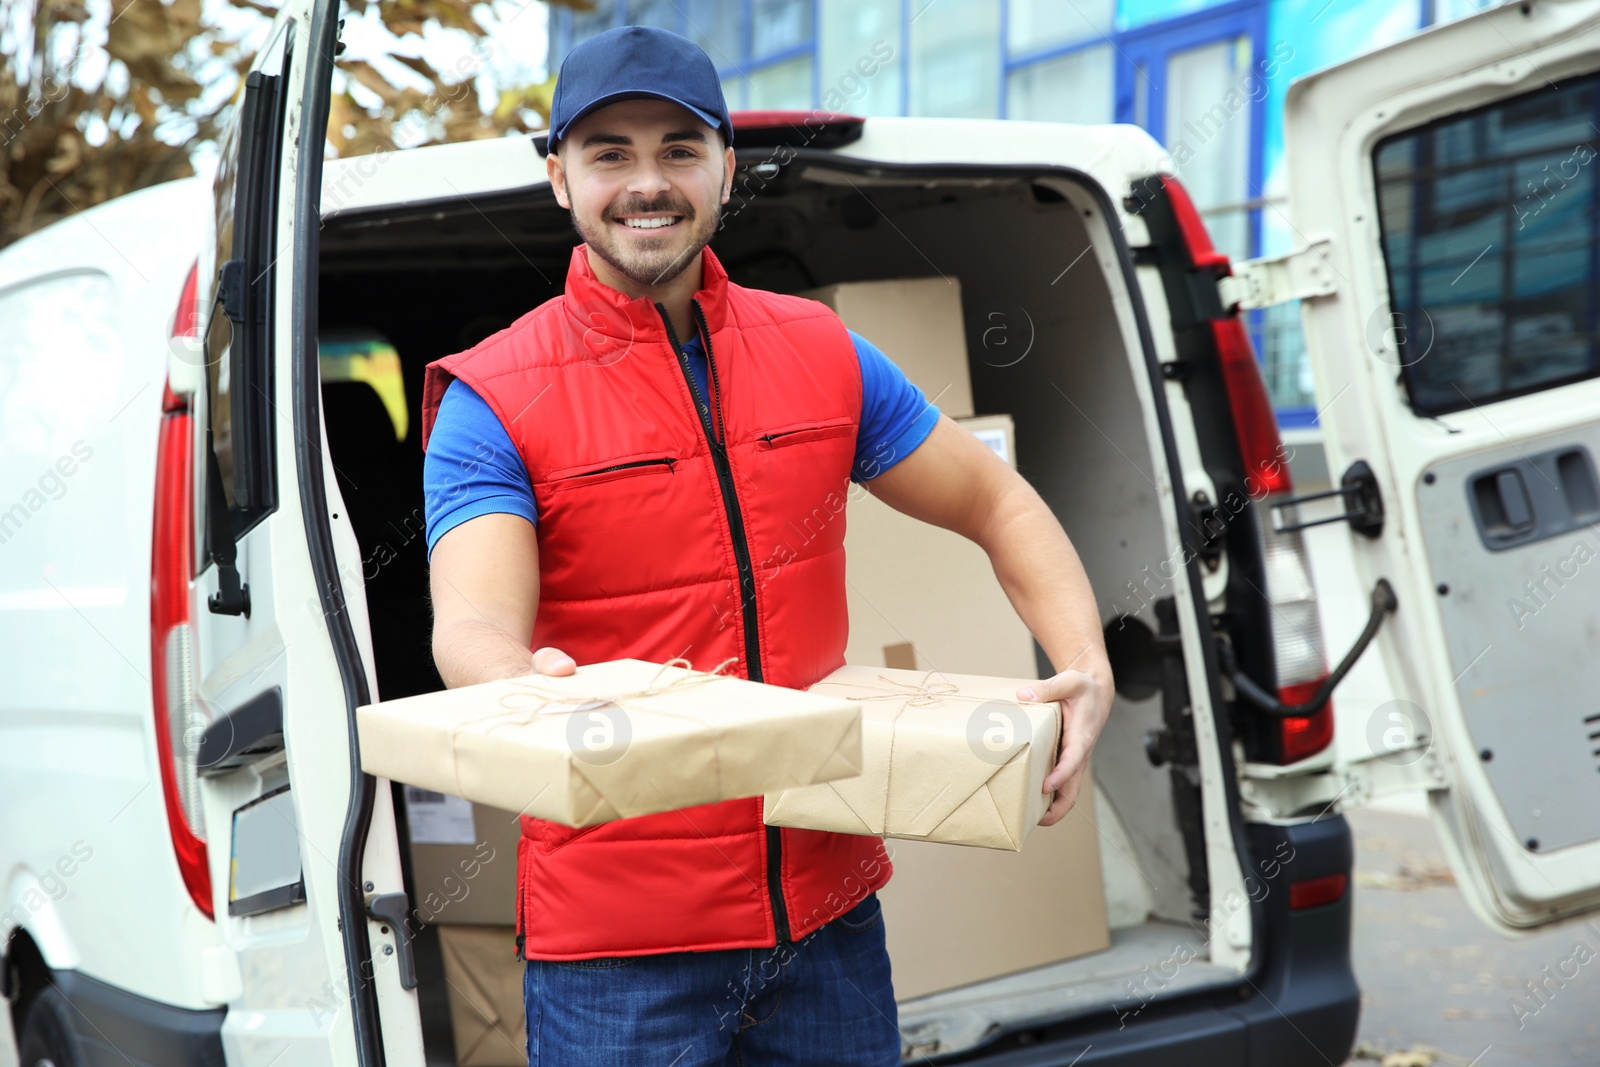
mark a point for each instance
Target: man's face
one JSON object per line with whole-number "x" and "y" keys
{"x": 645, "y": 182}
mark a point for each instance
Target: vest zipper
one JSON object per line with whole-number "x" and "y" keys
{"x": 741, "y": 552}
{"x": 626, "y": 466}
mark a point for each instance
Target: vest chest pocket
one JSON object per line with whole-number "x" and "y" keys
{"x": 635, "y": 466}
{"x": 800, "y": 433}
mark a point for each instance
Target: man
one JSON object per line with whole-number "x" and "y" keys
{"x": 612, "y": 476}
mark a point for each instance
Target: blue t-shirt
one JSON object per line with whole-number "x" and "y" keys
{"x": 473, "y": 469}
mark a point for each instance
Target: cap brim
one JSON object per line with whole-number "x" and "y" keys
{"x": 555, "y": 136}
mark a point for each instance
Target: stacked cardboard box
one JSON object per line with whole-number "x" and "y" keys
{"x": 917, "y": 323}
{"x": 924, "y": 598}
{"x": 464, "y": 872}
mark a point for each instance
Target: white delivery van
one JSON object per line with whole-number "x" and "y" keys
{"x": 211, "y": 538}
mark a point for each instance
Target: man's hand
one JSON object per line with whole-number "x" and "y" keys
{"x": 1085, "y": 704}
{"x": 553, "y": 661}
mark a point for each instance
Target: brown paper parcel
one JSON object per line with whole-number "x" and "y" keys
{"x": 613, "y": 740}
{"x": 944, "y": 757}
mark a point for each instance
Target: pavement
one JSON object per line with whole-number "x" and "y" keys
{"x": 1438, "y": 986}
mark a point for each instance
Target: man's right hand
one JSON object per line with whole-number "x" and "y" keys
{"x": 554, "y": 662}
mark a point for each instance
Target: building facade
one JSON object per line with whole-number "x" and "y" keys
{"x": 1207, "y": 79}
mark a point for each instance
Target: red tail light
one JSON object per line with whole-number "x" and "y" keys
{"x": 795, "y": 129}
{"x": 1305, "y": 737}
{"x": 1254, "y": 422}
{"x": 1292, "y": 599}
{"x": 1195, "y": 238}
{"x": 172, "y": 647}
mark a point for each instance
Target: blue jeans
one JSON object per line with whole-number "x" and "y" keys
{"x": 823, "y": 1001}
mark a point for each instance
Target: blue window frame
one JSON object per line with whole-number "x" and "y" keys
{"x": 726, "y": 30}
{"x": 1198, "y": 84}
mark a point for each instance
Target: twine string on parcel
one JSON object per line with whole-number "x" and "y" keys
{"x": 517, "y": 710}
{"x": 924, "y": 694}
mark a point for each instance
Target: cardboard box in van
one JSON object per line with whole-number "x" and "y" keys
{"x": 917, "y": 322}
{"x": 924, "y": 598}
{"x": 485, "y": 992}
{"x": 463, "y": 859}
{"x": 955, "y": 915}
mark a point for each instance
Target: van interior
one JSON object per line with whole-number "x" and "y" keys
{"x": 435, "y": 278}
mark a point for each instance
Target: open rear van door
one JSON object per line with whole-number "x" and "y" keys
{"x": 258, "y": 664}
{"x": 1446, "y": 194}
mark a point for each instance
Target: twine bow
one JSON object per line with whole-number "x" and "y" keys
{"x": 513, "y": 701}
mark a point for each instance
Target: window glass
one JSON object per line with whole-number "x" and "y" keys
{"x": 238, "y": 333}
{"x": 714, "y": 26}
{"x": 1208, "y": 134}
{"x": 1449, "y": 10}
{"x": 778, "y": 25}
{"x": 1489, "y": 236}
{"x": 860, "y": 58}
{"x": 585, "y": 24}
{"x": 1035, "y": 24}
{"x": 955, "y": 58}
{"x": 1076, "y": 87}
{"x": 662, "y": 13}
{"x": 733, "y": 90}
{"x": 785, "y": 85}
{"x": 1283, "y": 356}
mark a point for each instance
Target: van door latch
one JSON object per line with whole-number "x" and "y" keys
{"x": 1363, "y": 502}
{"x": 391, "y": 909}
{"x": 1259, "y": 283}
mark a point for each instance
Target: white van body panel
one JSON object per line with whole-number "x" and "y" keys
{"x": 1334, "y": 121}
{"x": 77, "y": 735}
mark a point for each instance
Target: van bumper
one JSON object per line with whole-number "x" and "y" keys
{"x": 1300, "y": 1006}
{"x": 117, "y": 1028}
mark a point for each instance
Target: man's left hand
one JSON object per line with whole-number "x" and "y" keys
{"x": 1085, "y": 702}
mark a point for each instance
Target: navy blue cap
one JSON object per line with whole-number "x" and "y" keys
{"x": 629, "y": 62}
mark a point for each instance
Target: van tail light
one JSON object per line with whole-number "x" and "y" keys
{"x": 1254, "y": 422}
{"x": 1298, "y": 651}
{"x": 1297, "y": 648}
{"x": 179, "y": 718}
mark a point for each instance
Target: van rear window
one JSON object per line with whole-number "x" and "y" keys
{"x": 1488, "y": 222}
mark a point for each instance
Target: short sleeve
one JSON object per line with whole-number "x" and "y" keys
{"x": 895, "y": 416}
{"x": 471, "y": 467}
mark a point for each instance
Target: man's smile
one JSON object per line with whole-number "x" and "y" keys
{"x": 648, "y": 222}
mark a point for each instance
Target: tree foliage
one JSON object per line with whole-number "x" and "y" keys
{"x": 102, "y": 97}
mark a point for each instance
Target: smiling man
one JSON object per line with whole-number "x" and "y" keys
{"x": 612, "y": 476}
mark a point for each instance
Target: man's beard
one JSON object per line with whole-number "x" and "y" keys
{"x": 649, "y": 267}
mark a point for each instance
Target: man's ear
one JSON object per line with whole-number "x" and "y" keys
{"x": 557, "y": 172}
{"x": 727, "y": 173}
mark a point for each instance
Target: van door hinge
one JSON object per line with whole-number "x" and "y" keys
{"x": 1267, "y": 794}
{"x": 1259, "y": 283}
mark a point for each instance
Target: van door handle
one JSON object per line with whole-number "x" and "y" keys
{"x": 1383, "y": 604}
{"x": 391, "y": 908}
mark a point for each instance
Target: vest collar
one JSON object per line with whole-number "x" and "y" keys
{"x": 595, "y": 306}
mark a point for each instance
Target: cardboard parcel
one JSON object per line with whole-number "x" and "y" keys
{"x": 954, "y": 758}
{"x": 612, "y": 740}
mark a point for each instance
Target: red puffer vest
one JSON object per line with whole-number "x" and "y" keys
{"x": 658, "y": 540}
